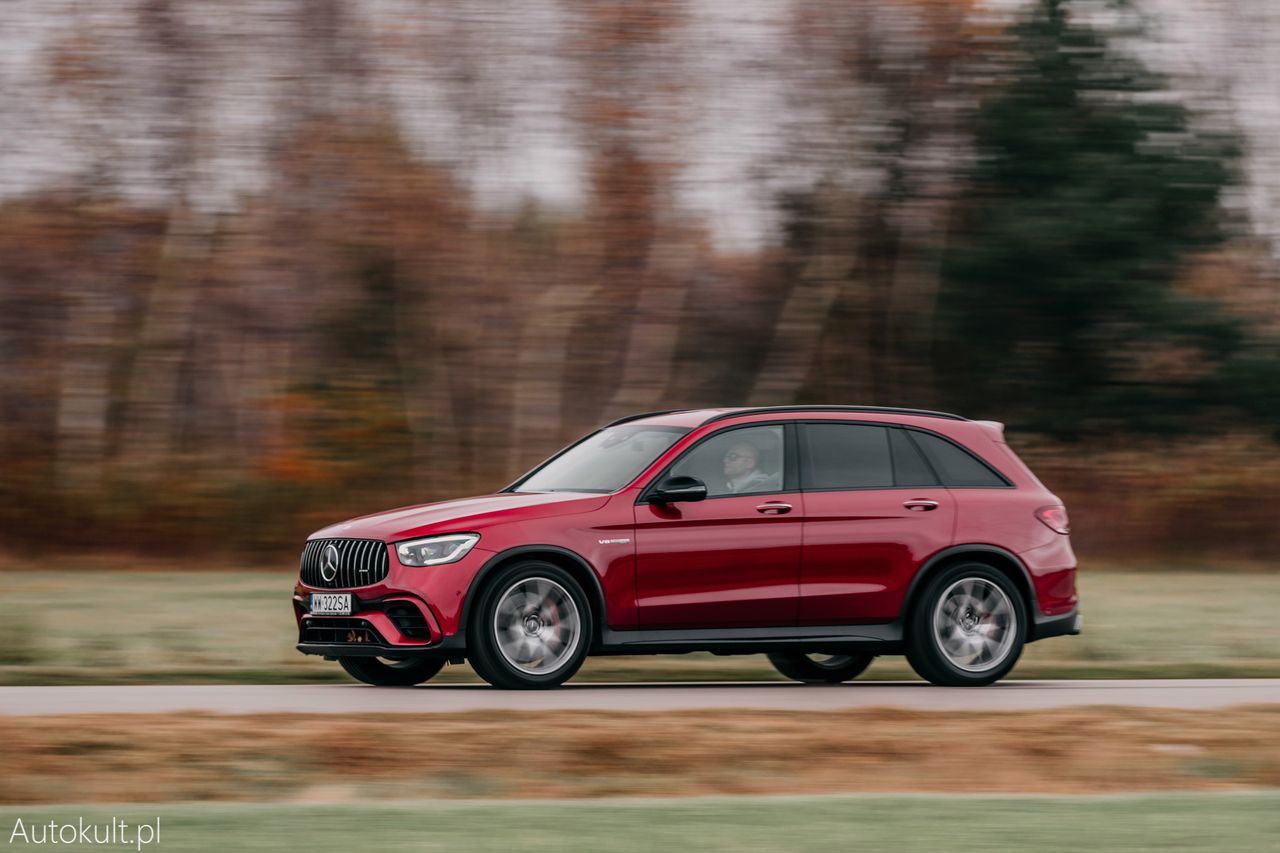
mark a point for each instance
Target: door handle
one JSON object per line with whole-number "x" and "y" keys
{"x": 774, "y": 509}
{"x": 920, "y": 505}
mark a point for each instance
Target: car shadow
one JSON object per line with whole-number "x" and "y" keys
{"x": 694, "y": 685}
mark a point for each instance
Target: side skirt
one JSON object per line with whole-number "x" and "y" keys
{"x": 877, "y": 639}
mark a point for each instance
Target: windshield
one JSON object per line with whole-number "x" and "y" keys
{"x": 604, "y": 462}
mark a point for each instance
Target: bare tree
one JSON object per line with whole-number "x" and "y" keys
{"x": 881, "y": 131}
{"x": 167, "y": 318}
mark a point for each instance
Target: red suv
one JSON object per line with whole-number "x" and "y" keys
{"x": 821, "y": 536}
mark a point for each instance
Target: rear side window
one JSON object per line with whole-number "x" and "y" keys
{"x": 846, "y": 456}
{"x": 955, "y": 466}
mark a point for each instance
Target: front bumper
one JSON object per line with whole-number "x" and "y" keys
{"x": 433, "y": 597}
{"x": 390, "y": 625}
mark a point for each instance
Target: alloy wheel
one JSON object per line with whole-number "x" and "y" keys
{"x": 537, "y": 626}
{"x": 974, "y": 624}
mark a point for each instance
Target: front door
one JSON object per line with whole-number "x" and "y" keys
{"x": 732, "y": 560}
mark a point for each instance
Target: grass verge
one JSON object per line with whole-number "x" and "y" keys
{"x": 86, "y": 627}
{"x": 1236, "y": 822}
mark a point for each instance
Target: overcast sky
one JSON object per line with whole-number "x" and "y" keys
{"x": 734, "y": 102}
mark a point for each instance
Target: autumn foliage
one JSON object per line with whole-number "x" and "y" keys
{"x": 361, "y": 327}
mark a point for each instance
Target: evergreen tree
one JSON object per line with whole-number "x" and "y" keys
{"x": 1092, "y": 188}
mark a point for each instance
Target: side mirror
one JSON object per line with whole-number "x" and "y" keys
{"x": 679, "y": 489}
{"x": 675, "y": 489}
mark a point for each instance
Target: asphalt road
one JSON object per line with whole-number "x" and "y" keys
{"x": 780, "y": 696}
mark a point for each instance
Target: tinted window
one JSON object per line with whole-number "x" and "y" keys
{"x": 737, "y": 461}
{"x": 956, "y": 467}
{"x": 909, "y": 467}
{"x": 605, "y": 462}
{"x": 846, "y": 456}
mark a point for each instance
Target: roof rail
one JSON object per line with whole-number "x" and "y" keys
{"x": 888, "y": 410}
{"x": 643, "y": 415}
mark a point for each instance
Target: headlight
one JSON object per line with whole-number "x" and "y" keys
{"x": 435, "y": 550}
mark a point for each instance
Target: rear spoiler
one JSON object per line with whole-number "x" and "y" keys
{"x": 994, "y": 428}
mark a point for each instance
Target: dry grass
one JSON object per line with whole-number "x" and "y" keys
{"x": 183, "y": 757}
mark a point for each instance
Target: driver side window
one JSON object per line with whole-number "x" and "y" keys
{"x": 743, "y": 461}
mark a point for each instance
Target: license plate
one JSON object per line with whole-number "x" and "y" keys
{"x": 331, "y": 603}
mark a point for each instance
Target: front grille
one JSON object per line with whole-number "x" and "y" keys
{"x": 355, "y": 632}
{"x": 360, "y": 562}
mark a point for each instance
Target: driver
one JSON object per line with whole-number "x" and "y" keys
{"x": 742, "y": 470}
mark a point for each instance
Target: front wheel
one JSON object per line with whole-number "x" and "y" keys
{"x": 531, "y": 629}
{"x": 968, "y": 628}
{"x": 386, "y": 672}
{"x": 819, "y": 669}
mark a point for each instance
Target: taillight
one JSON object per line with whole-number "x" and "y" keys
{"x": 1055, "y": 518}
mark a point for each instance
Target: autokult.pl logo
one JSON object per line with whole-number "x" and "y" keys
{"x": 112, "y": 833}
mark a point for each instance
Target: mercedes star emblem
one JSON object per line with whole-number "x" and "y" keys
{"x": 329, "y": 563}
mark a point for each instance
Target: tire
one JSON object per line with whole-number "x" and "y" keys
{"x": 531, "y": 629}
{"x": 968, "y": 627}
{"x": 820, "y": 669}
{"x": 383, "y": 672}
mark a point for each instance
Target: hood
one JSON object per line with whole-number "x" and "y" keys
{"x": 461, "y": 515}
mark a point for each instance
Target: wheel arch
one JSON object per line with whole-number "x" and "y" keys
{"x": 571, "y": 562}
{"x": 998, "y": 558}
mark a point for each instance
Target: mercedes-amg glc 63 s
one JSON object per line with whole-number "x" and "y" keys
{"x": 821, "y": 536}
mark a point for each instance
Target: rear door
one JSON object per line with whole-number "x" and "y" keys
{"x": 874, "y": 510}
{"x": 732, "y": 560}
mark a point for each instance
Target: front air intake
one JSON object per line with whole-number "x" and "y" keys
{"x": 340, "y": 632}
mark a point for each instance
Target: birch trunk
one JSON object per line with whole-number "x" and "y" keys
{"x": 651, "y": 348}
{"x": 798, "y": 333}
{"x": 540, "y": 370}
{"x": 152, "y": 396}
{"x": 84, "y": 390}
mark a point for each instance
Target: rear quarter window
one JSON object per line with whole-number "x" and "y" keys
{"x": 956, "y": 466}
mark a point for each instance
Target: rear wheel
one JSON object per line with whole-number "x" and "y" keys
{"x": 531, "y": 629}
{"x": 820, "y": 669}
{"x": 968, "y": 627}
{"x": 386, "y": 672}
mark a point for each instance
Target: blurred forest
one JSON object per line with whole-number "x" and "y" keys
{"x": 265, "y": 264}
